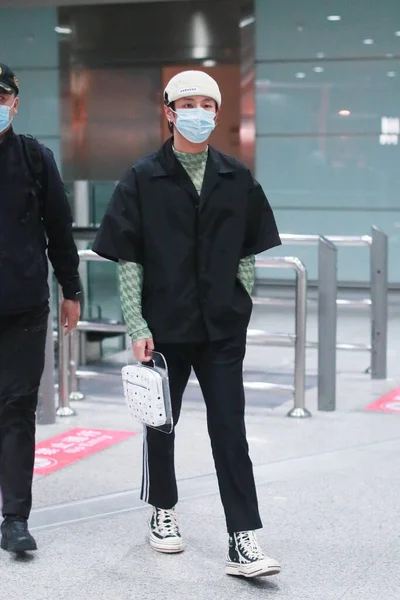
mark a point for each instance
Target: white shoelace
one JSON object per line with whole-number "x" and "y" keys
{"x": 248, "y": 545}
{"x": 167, "y": 522}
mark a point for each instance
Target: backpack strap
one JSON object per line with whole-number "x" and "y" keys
{"x": 34, "y": 161}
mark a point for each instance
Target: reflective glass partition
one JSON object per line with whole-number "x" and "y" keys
{"x": 328, "y": 122}
{"x": 115, "y": 61}
{"x": 99, "y": 278}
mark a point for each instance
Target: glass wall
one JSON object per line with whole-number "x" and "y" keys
{"x": 29, "y": 44}
{"x": 115, "y": 62}
{"x": 328, "y": 122}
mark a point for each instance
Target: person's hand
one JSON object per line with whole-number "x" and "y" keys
{"x": 70, "y": 313}
{"x": 143, "y": 349}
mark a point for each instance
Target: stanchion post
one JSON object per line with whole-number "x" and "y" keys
{"x": 74, "y": 346}
{"x": 82, "y": 217}
{"x": 379, "y": 303}
{"x": 299, "y": 410}
{"x": 46, "y": 414}
{"x": 64, "y": 409}
{"x": 327, "y": 324}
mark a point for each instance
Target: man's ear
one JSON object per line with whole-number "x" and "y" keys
{"x": 169, "y": 114}
{"x": 15, "y": 106}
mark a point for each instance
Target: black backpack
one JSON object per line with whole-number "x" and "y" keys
{"x": 35, "y": 163}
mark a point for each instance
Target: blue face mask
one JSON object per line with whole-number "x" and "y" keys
{"x": 5, "y": 118}
{"x": 195, "y": 124}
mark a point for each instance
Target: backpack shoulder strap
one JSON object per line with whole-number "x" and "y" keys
{"x": 34, "y": 160}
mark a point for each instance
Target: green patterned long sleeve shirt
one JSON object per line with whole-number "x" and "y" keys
{"x": 131, "y": 274}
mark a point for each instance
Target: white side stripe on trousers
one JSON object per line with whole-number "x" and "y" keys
{"x": 146, "y": 472}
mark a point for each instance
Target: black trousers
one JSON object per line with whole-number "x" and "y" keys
{"x": 219, "y": 369}
{"x": 22, "y": 351}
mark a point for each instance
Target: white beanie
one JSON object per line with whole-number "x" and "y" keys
{"x": 192, "y": 83}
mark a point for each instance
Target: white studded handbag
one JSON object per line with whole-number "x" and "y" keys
{"x": 147, "y": 395}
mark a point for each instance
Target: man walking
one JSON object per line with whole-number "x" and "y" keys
{"x": 34, "y": 216}
{"x": 184, "y": 225}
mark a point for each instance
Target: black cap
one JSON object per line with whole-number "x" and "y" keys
{"x": 8, "y": 81}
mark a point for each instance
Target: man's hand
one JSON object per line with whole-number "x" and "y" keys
{"x": 143, "y": 349}
{"x": 70, "y": 313}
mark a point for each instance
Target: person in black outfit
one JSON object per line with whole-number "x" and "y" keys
{"x": 184, "y": 225}
{"x": 34, "y": 217}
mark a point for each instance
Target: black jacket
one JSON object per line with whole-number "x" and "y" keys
{"x": 189, "y": 245}
{"x": 28, "y": 226}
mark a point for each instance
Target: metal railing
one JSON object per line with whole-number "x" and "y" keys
{"x": 377, "y": 242}
{"x": 328, "y": 303}
{"x": 70, "y": 374}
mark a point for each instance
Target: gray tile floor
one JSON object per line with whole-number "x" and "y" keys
{"x": 328, "y": 490}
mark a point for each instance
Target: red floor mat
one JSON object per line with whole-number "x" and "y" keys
{"x": 69, "y": 447}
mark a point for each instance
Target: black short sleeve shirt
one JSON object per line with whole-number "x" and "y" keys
{"x": 189, "y": 245}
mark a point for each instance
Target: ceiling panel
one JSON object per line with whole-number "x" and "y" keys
{"x": 32, "y": 3}
{"x": 107, "y": 37}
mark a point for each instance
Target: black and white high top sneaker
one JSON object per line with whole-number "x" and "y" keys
{"x": 246, "y": 559}
{"x": 164, "y": 531}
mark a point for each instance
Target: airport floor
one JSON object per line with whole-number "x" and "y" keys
{"x": 328, "y": 491}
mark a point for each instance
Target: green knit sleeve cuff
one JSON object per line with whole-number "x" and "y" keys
{"x": 140, "y": 334}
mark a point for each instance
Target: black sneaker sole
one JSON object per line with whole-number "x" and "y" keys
{"x": 24, "y": 545}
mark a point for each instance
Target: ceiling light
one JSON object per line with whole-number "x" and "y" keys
{"x": 391, "y": 73}
{"x": 209, "y": 63}
{"x": 318, "y": 69}
{"x": 368, "y": 41}
{"x": 320, "y": 55}
{"x": 201, "y": 36}
{"x": 300, "y": 75}
{"x": 246, "y": 22}
{"x": 63, "y": 30}
{"x": 334, "y": 18}
{"x": 200, "y": 52}
{"x": 397, "y": 33}
{"x": 344, "y": 113}
{"x": 389, "y": 55}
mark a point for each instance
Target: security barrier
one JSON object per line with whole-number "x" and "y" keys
{"x": 377, "y": 243}
{"x": 70, "y": 374}
{"x": 328, "y": 303}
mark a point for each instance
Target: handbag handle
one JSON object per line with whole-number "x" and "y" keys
{"x": 158, "y": 360}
